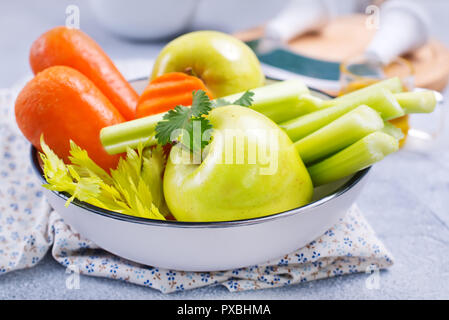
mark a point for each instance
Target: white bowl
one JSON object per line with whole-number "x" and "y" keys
{"x": 152, "y": 19}
{"x": 208, "y": 246}
{"x": 144, "y": 19}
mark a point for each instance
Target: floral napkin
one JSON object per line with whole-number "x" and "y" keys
{"x": 29, "y": 227}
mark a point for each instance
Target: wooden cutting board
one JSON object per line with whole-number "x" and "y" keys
{"x": 346, "y": 37}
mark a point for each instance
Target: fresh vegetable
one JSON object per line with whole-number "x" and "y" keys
{"x": 393, "y": 85}
{"x": 117, "y": 138}
{"x": 186, "y": 119}
{"x": 134, "y": 188}
{"x": 274, "y": 100}
{"x": 402, "y": 123}
{"x": 62, "y": 46}
{"x": 392, "y": 130}
{"x": 379, "y": 99}
{"x": 168, "y": 91}
{"x": 189, "y": 119}
{"x": 225, "y": 64}
{"x": 264, "y": 175}
{"x": 282, "y": 100}
{"x": 368, "y": 150}
{"x": 423, "y": 101}
{"x": 64, "y": 105}
{"x": 339, "y": 134}
{"x": 228, "y": 159}
{"x": 245, "y": 100}
{"x": 417, "y": 101}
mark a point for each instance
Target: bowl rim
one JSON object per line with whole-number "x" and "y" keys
{"x": 355, "y": 179}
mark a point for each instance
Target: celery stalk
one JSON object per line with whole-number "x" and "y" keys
{"x": 281, "y": 101}
{"x": 117, "y": 138}
{"x": 393, "y": 84}
{"x": 379, "y": 99}
{"x": 278, "y": 101}
{"x": 339, "y": 134}
{"x": 392, "y": 130}
{"x": 417, "y": 102}
{"x": 370, "y": 149}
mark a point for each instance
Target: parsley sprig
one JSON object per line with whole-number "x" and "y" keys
{"x": 185, "y": 121}
{"x": 246, "y": 100}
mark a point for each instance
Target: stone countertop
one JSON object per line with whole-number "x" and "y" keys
{"x": 411, "y": 218}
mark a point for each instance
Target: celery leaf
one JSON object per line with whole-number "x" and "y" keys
{"x": 133, "y": 188}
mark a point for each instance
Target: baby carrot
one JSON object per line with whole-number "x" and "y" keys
{"x": 167, "y": 91}
{"x": 73, "y": 48}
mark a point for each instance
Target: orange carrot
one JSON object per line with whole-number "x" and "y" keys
{"x": 73, "y": 48}
{"x": 167, "y": 91}
{"x": 64, "y": 105}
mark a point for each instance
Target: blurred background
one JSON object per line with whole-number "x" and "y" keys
{"x": 335, "y": 46}
{"x": 138, "y": 28}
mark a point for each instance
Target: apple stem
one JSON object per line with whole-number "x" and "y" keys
{"x": 191, "y": 72}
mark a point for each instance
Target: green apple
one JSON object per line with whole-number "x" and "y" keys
{"x": 224, "y": 63}
{"x": 249, "y": 169}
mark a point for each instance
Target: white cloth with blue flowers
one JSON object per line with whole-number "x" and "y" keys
{"x": 29, "y": 228}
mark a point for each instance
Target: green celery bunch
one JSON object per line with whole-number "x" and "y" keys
{"x": 279, "y": 101}
{"x": 379, "y": 99}
{"x": 338, "y": 134}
